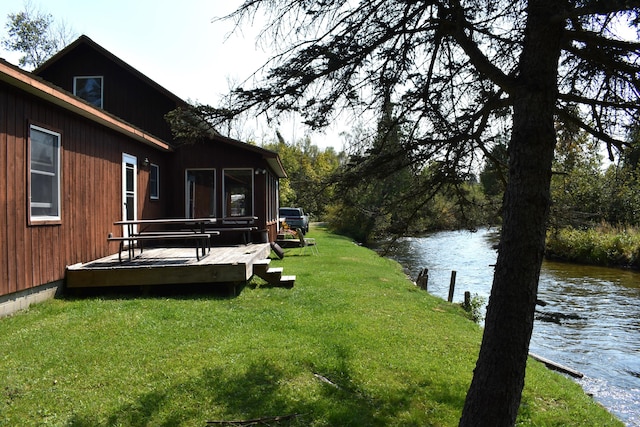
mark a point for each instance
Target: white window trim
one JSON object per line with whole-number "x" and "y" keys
{"x": 224, "y": 190}
{"x": 57, "y": 174}
{"x": 75, "y": 92}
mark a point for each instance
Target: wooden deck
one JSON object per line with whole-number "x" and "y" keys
{"x": 167, "y": 266}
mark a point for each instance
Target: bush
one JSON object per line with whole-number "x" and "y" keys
{"x": 604, "y": 245}
{"x": 475, "y": 307}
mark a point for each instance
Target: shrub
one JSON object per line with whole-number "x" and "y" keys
{"x": 604, "y": 245}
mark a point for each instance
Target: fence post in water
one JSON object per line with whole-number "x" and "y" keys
{"x": 452, "y": 285}
{"x": 467, "y": 299}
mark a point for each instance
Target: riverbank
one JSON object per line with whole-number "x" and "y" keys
{"x": 353, "y": 343}
{"x": 588, "y": 322}
{"x": 604, "y": 245}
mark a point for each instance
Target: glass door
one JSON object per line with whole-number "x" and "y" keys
{"x": 129, "y": 190}
{"x": 200, "y": 193}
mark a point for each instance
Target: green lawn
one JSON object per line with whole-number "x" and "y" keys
{"x": 354, "y": 343}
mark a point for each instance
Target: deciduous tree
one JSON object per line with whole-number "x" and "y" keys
{"x": 308, "y": 172}
{"x": 460, "y": 72}
{"x": 35, "y": 34}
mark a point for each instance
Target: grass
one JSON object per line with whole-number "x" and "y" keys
{"x": 354, "y": 343}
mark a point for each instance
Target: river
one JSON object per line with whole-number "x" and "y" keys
{"x": 590, "y": 323}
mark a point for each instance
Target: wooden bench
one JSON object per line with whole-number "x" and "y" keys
{"x": 203, "y": 239}
{"x": 176, "y": 235}
{"x": 244, "y": 231}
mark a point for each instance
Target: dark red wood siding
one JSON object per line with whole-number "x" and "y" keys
{"x": 91, "y": 200}
{"x": 125, "y": 94}
{"x": 219, "y": 156}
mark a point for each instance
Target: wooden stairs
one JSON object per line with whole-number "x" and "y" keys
{"x": 273, "y": 275}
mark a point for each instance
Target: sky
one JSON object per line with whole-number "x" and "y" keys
{"x": 176, "y": 44}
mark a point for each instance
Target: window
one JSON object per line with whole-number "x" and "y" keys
{"x": 44, "y": 175}
{"x": 201, "y": 193}
{"x": 89, "y": 88}
{"x": 238, "y": 192}
{"x": 154, "y": 181}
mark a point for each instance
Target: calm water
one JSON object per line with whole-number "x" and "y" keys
{"x": 596, "y": 311}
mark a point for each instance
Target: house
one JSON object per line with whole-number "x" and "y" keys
{"x": 84, "y": 143}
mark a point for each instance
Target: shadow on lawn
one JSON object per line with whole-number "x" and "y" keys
{"x": 183, "y": 291}
{"x": 262, "y": 391}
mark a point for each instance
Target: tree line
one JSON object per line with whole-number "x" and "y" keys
{"x": 587, "y": 189}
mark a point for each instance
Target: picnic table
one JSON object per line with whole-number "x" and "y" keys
{"x": 191, "y": 229}
{"x": 236, "y": 224}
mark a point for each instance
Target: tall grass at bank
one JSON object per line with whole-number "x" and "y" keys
{"x": 604, "y": 245}
{"x": 354, "y": 343}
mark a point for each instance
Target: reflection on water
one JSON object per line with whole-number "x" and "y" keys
{"x": 595, "y": 311}
{"x": 604, "y": 339}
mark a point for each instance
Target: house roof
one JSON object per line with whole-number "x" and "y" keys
{"x": 42, "y": 89}
{"x": 271, "y": 157}
{"x": 45, "y": 90}
{"x": 84, "y": 40}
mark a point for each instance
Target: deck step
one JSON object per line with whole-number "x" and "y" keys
{"x": 260, "y": 267}
{"x": 274, "y": 271}
{"x": 273, "y": 275}
{"x": 287, "y": 281}
{"x": 270, "y": 274}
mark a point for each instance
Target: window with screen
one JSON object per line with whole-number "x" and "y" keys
{"x": 44, "y": 174}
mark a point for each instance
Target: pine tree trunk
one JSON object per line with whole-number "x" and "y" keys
{"x": 494, "y": 396}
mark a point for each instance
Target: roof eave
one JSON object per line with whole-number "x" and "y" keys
{"x": 276, "y": 166}
{"x": 35, "y": 86}
{"x": 271, "y": 157}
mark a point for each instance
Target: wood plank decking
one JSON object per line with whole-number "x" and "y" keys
{"x": 166, "y": 266}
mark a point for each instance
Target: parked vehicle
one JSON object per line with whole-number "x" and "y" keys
{"x": 295, "y": 218}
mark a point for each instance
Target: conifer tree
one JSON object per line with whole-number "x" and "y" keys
{"x": 460, "y": 72}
